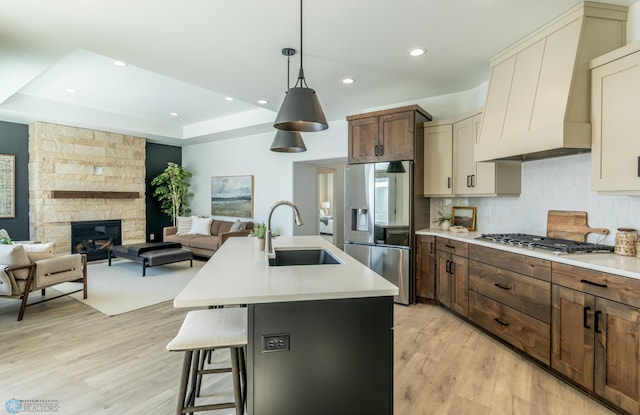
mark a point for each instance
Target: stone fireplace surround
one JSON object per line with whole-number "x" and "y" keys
{"x": 97, "y": 165}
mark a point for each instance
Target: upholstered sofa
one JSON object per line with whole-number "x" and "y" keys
{"x": 204, "y": 236}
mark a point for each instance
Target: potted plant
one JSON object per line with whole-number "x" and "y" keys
{"x": 443, "y": 220}
{"x": 259, "y": 231}
{"x": 172, "y": 191}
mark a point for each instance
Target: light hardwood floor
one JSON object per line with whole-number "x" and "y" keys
{"x": 93, "y": 364}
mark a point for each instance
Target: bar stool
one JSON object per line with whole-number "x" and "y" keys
{"x": 203, "y": 330}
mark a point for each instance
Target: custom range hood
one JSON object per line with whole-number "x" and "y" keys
{"x": 538, "y": 101}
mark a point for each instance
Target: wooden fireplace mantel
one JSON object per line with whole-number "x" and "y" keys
{"x": 91, "y": 194}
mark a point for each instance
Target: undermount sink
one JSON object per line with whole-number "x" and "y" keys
{"x": 302, "y": 256}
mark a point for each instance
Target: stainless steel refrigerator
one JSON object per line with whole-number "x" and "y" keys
{"x": 377, "y": 220}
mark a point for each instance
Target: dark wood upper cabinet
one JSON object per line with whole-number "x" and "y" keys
{"x": 389, "y": 135}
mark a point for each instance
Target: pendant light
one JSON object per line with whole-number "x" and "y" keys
{"x": 301, "y": 110}
{"x": 288, "y": 141}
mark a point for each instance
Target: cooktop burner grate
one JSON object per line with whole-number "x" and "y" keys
{"x": 556, "y": 245}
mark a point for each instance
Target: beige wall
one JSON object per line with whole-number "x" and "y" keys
{"x": 70, "y": 158}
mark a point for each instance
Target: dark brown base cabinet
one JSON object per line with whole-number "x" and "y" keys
{"x": 425, "y": 268}
{"x": 510, "y": 297}
{"x": 596, "y": 341}
{"x": 452, "y": 286}
{"x": 583, "y": 325}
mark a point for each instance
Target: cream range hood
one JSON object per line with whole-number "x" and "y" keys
{"x": 538, "y": 101}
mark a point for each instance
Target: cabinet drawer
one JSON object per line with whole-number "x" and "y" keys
{"x": 612, "y": 287}
{"x": 522, "y": 264}
{"x": 452, "y": 246}
{"x": 522, "y": 331}
{"x": 525, "y": 294}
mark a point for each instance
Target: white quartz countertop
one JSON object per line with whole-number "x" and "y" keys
{"x": 238, "y": 273}
{"x": 611, "y": 263}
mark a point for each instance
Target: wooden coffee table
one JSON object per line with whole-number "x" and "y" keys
{"x": 151, "y": 254}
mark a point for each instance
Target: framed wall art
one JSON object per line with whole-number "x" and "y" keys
{"x": 7, "y": 186}
{"x": 232, "y": 196}
{"x": 464, "y": 216}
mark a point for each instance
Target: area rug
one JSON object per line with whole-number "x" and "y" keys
{"x": 121, "y": 288}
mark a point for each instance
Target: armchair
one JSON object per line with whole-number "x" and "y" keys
{"x": 22, "y": 272}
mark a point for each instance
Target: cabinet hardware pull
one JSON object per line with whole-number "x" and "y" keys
{"x": 431, "y": 247}
{"x": 504, "y": 287}
{"x": 451, "y": 269}
{"x": 447, "y": 267}
{"x": 376, "y": 150}
{"x": 381, "y": 150}
{"x": 468, "y": 181}
{"x": 594, "y": 283}
{"x": 448, "y": 182}
{"x": 502, "y": 323}
{"x": 450, "y": 246}
{"x": 473, "y": 180}
{"x": 596, "y": 321}
{"x": 584, "y": 318}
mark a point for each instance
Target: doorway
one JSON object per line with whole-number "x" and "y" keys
{"x": 326, "y": 203}
{"x": 319, "y": 185}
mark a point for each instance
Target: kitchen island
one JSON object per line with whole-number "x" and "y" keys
{"x": 332, "y": 325}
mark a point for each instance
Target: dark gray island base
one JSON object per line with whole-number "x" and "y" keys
{"x": 321, "y": 357}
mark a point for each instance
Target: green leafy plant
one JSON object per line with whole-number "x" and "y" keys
{"x": 5, "y": 241}
{"x": 259, "y": 231}
{"x": 172, "y": 191}
{"x": 442, "y": 217}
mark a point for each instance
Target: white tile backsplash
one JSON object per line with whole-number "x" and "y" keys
{"x": 562, "y": 183}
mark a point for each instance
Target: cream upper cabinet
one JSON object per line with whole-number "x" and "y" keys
{"x": 615, "y": 101}
{"x": 537, "y": 103}
{"x": 463, "y": 164}
{"x": 479, "y": 178}
{"x": 438, "y": 160}
{"x": 450, "y": 166}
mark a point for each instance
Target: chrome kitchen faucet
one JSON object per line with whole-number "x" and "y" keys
{"x": 268, "y": 244}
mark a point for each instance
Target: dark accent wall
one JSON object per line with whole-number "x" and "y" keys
{"x": 157, "y": 157}
{"x": 14, "y": 139}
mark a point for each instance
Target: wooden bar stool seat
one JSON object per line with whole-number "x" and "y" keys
{"x": 202, "y": 331}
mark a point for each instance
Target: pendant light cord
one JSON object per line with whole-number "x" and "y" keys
{"x": 301, "y": 54}
{"x": 301, "y": 80}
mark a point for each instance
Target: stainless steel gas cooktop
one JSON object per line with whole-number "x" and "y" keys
{"x": 556, "y": 245}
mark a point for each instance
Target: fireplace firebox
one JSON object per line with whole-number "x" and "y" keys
{"x": 95, "y": 237}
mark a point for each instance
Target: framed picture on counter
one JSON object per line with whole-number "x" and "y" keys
{"x": 464, "y": 216}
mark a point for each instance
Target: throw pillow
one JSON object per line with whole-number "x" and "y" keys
{"x": 15, "y": 255}
{"x": 184, "y": 224}
{"x": 200, "y": 226}
{"x": 238, "y": 225}
{"x": 36, "y": 252}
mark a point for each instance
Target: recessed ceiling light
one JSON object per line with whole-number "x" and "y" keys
{"x": 120, "y": 63}
{"x": 416, "y": 52}
{"x": 71, "y": 90}
{"x": 228, "y": 98}
{"x": 263, "y": 101}
{"x": 173, "y": 114}
{"x": 348, "y": 81}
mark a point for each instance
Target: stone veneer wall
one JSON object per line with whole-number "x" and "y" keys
{"x": 69, "y": 158}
